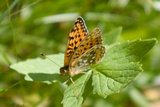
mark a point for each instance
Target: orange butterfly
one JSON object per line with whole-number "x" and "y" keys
{"x": 83, "y": 49}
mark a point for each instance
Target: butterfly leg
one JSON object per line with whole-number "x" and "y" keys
{"x": 71, "y": 80}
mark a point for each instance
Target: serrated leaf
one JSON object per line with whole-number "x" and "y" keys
{"x": 113, "y": 35}
{"x": 73, "y": 93}
{"x": 40, "y": 69}
{"x": 120, "y": 66}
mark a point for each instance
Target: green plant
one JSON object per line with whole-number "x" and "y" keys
{"x": 119, "y": 67}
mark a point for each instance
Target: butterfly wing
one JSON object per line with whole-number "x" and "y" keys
{"x": 91, "y": 45}
{"x": 94, "y": 38}
{"x": 77, "y": 34}
{"x": 92, "y": 56}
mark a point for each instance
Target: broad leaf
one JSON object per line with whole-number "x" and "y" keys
{"x": 112, "y": 36}
{"x": 120, "y": 66}
{"x": 73, "y": 93}
{"x": 39, "y": 69}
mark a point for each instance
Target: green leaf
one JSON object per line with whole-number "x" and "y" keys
{"x": 120, "y": 66}
{"x": 113, "y": 35}
{"x": 38, "y": 69}
{"x": 73, "y": 93}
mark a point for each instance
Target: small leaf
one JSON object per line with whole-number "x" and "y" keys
{"x": 40, "y": 69}
{"x": 120, "y": 66}
{"x": 113, "y": 35}
{"x": 73, "y": 93}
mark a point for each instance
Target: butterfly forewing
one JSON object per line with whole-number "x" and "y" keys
{"x": 77, "y": 34}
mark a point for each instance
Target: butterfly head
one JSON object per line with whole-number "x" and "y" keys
{"x": 64, "y": 70}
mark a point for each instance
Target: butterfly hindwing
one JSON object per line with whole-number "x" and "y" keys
{"x": 77, "y": 34}
{"x": 92, "y": 56}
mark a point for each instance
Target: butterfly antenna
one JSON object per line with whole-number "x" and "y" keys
{"x": 43, "y": 55}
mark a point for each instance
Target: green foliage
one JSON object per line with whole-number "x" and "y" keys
{"x": 113, "y": 35}
{"x": 40, "y": 69}
{"x": 28, "y": 28}
{"x": 73, "y": 93}
{"x": 118, "y": 68}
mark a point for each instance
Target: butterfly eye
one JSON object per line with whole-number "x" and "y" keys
{"x": 64, "y": 70}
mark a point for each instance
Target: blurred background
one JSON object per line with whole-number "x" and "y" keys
{"x": 31, "y": 27}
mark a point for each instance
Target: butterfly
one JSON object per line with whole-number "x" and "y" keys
{"x": 83, "y": 49}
